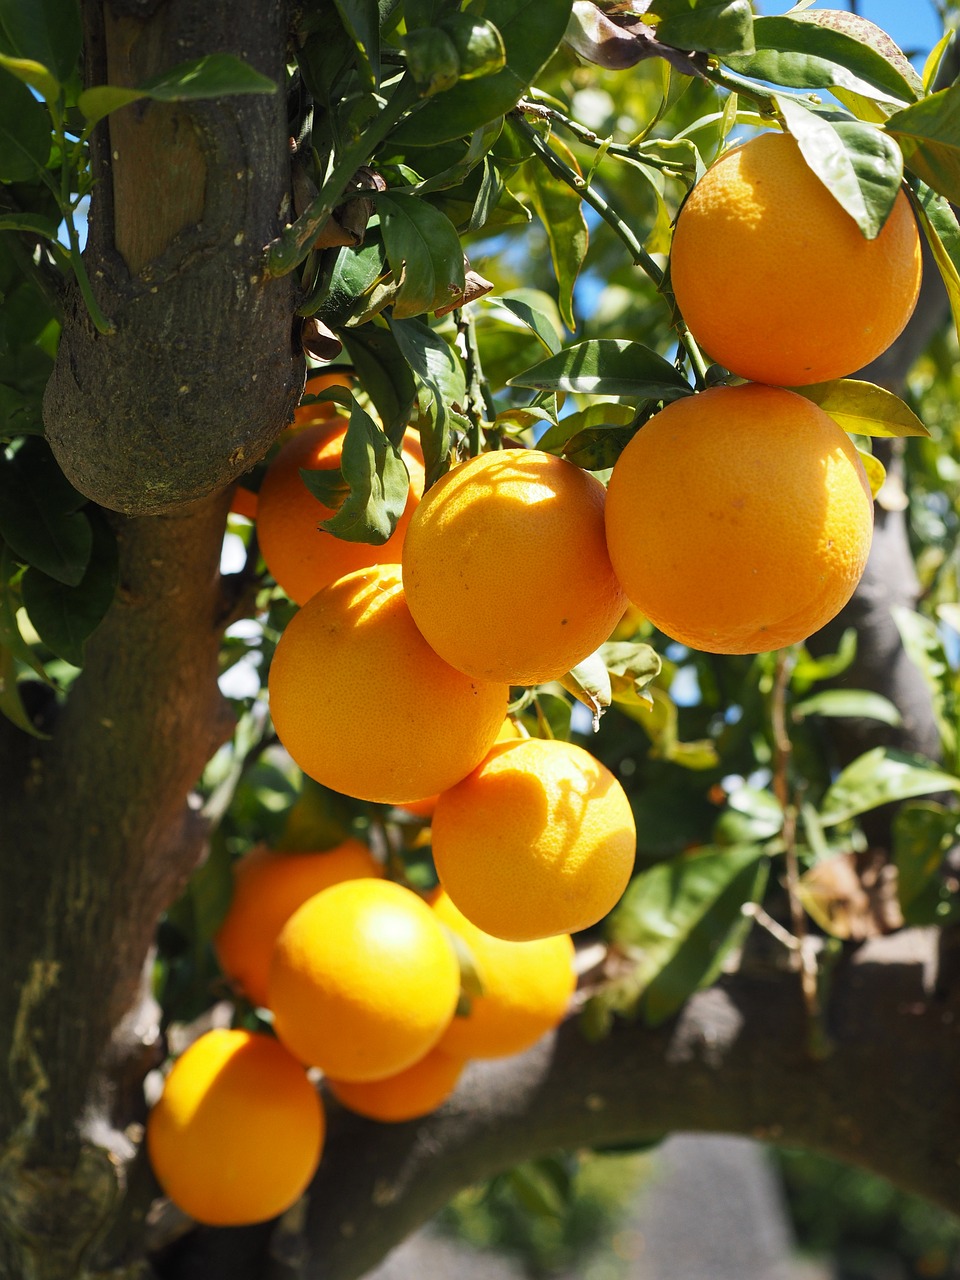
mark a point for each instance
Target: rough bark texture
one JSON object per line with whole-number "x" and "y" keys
{"x": 205, "y": 366}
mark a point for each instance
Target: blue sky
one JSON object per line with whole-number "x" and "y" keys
{"x": 912, "y": 23}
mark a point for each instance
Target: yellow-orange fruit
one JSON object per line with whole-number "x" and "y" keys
{"x": 539, "y": 839}
{"x": 527, "y": 988}
{"x": 365, "y": 706}
{"x": 267, "y": 888}
{"x": 776, "y": 281}
{"x": 739, "y": 520}
{"x": 301, "y": 557}
{"x": 424, "y": 808}
{"x": 237, "y": 1133}
{"x": 407, "y": 1095}
{"x": 363, "y": 980}
{"x": 506, "y": 570}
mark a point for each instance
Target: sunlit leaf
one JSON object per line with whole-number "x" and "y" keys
{"x": 882, "y": 776}
{"x": 425, "y": 253}
{"x": 850, "y": 704}
{"x": 607, "y": 366}
{"x": 864, "y": 409}
{"x": 929, "y": 135}
{"x": 560, "y": 209}
{"x": 714, "y": 26}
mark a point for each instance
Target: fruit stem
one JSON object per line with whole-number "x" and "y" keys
{"x": 478, "y": 390}
{"x": 622, "y": 150}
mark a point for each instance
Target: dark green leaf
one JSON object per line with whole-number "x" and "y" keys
{"x": 713, "y": 26}
{"x": 560, "y": 210}
{"x": 437, "y": 367}
{"x": 607, "y": 366}
{"x": 425, "y": 253}
{"x": 858, "y": 163}
{"x": 11, "y": 704}
{"x": 24, "y": 132}
{"x": 517, "y": 302}
{"x": 531, "y": 31}
{"x": 46, "y": 31}
{"x": 353, "y": 277}
{"x": 361, "y": 19}
{"x": 595, "y": 420}
{"x": 376, "y": 479}
{"x": 478, "y": 43}
{"x": 922, "y": 836}
{"x": 66, "y": 616}
{"x": 40, "y": 516}
{"x": 800, "y": 54}
{"x": 929, "y": 135}
{"x": 432, "y": 60}
{"x": 849, "y": 703}
{"x": 879, "y": 777}
{"x": 35, "y": 223}
{"x": 384, "y": 374}
{"x": 685, "y": 918}
{"x": 542, "y": 1187}
{"x": 942, "y": 230}
{"x": 597, "y": 448}
{"x": 864, "y": 409}
{"x": 10, "y": 601}
{"x": 216, "y": 75}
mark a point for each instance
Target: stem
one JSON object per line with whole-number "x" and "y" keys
{"x": 782, "y": 749}
{"x": 289, "y": 249}
{"x": 478, "y": 389}
{"x": 587, "y": 136}
{"x": 101, "y": 322}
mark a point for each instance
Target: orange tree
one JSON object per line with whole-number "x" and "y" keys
{"x": 273, "y": 186}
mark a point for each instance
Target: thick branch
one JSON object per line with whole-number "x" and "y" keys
{"x": 733, "y": 1062}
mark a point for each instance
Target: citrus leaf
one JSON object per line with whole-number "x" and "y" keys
{"x": 876, "y": 472}
{"x": 361, "y": 19}
{"x": 607, "y": 366}
{"x": 859, "y": 164}
{"x": 589, "y": 682}
{"x": 713, "y": 26}
{"x": 425, "y": 253}
{"x": 517, "y": 303}
{"x": 924, "y": 647}
{"x": 377, "y": 484}
{"x": 929, "y": 136}
{"x": 922, "y": 835}
{"x": 849, "y": 703}
{"x": 24, "y": 132}
{"x": 66, "y": 616}
{"x": 685, "y": 917}
{"x": 800, "y": 54}
{"x": 43, "y": 31}
{"x": 33, "y": 74}
{"x": 631, "y": 667}
{"x": 942, "y": 230}
{"x": 436, "y": 366}
{"x": 878, "y": 777}
{"x": 40, "y": 516}
{"x": 384, "y": 374}
{"x": 531, "y": 31}
{"x": 216, "y": 75}
{"x": 864, "y": 409}
{"x": 11, "y": 704}
{"x": 35, "y": 223}
{"x": 607, "y": 416}
{"x": 560, "y": 210}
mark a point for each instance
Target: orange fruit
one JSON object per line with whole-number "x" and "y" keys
{"x": 506, "y": 569}
{"x": 739, "y": 520}
{"x": 301, "y": 557}
{"x": 526, "y": 989}
{"x": 267, "y": 889}
{"x": 237, "y": 1133}
{"x": 776, "y": 281}
{"x": 244, "y": 503}
{"x": 424, "y": 808}
{"x": 363, "y": 980}
{"x": 539, "y": 839}
{"x": 364, "y": 705}
{"x": 407, "y": 1095}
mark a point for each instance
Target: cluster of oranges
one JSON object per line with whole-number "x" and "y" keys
{"x": 737, "y": 520}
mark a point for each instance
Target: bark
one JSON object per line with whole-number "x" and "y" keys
{"x": 205, "y": 366}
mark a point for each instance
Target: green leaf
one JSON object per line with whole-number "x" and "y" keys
{"x": 432, "y": 60}
{"x": 66, "y": 616}
{"x": 40, "y": 516}
{"x": 882, "y": 776}
{"x": 864, "y": 409}
{"x": 518, "y": 303}
{"x": 809, "y": 669}
{"x": 435, "y": 364}
{"x": 922, "y": 836}
{"x": 217, "y": 75}
{"x": 384, "y": 374}
{"x": 630, "y": 667}
{"x": 560, "y": 210}
{"x": 607, "y": 366}
{"x": 376, "y": 479}
{"x": 760, "y": 813}
{"x": 800, "y": 54}
{"x": 849, "y": 704}
{"x": 531, "y": 32}
{"x": 10, "y": 602}
{"x": 940, "y": 226}
{"x": 924, "y": 647}
{"x": 859, "y": 164}
{"x": 589, "y": 682}
{"x": 11, "y": 704}
{"x": 24, "y": 132}
{"x": 361, "y": 19}
{"x": 44, "y": 31}
{"x": 929, "y": 135}
{"x": 479, "y": 45}
{"x": 685, "y": 917}
{"x": 712, "y": 26}
{"x": 425, "y": 253}
{"x": 33, "y": 74}
{"x": 35, "y": 223}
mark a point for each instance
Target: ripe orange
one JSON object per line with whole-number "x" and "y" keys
{"x": 739, "y": 520}
{"x": 526, "y": 989}
{"x": 267, "y": 889}
{"x": 424, "y": 808}
{"x": 408, "y": 1095}
{"x": 365, "y": 706}
{"x": 244, "y": 503}
{"x": 776, "y": 281}
{"x": 363, "y": 980}
{"x": 238, "y": 1130}
{"x": 301, "y": 557}
{"x": 539, "y": 839}
{"x": 506, "y": 569}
